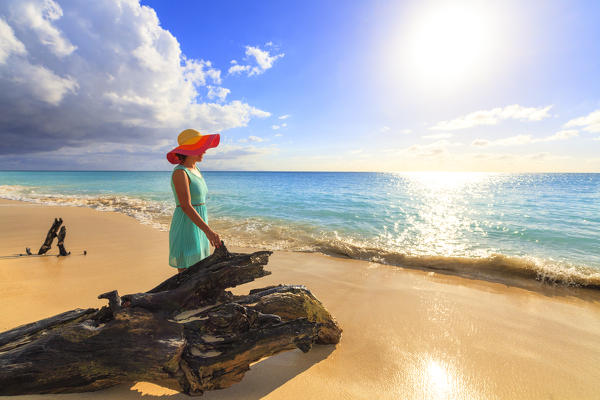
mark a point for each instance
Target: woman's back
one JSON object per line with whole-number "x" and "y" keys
{"x": 198, "y": 187}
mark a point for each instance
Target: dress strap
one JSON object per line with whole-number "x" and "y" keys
{"x": 180, "y": 166}
{"x": 187, "y": 171}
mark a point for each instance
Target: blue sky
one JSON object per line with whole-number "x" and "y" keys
{"x": 365, "y": 85}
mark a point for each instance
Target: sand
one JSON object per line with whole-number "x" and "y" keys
{"x": 408, "y": 334}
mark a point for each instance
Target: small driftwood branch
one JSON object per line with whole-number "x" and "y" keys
{"x": 187, "y": 334}
{"x": 52, "y": 233}
{"x": 114, "y": 300}
{"x": 61, "y": 241}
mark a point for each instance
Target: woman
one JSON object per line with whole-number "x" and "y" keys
{"x": 190, "y": 236}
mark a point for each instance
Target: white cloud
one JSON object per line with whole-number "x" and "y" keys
{"x": 385, "y": 129}
{"x": 539, "y": 156}
{"x": 561, "y": 135}
{"x": 406, "y": 131}
{"x": 237, "y": 69}
{"x": 8, "y": 42}
{"x": 44, "y": 84}
{"x": 286, "y": 116}
{"x": 438, "y": 136}
{"x": 589, "y": 123}
{"x": 435, "y": 149}
{"x": 39, "y": 81}
{"x": 39, "y": 17}
{"x": 199, "y": 71}
{"x": 278, "y": 134}
{"x": 217, "y": 92}
{"x": 276, "y": 127}
{"x": 480, "y": 142}
{"x": 509, "y": 141}
{"x": 262, "y": 59}
{"x": 493, "y": 116}
{"x": 520, "y": 140}
{"x": 517, "y": 157}
{"x": 74, "y": 73}
{"x": 231, "y": 152}
{"x": 255, "y": 139}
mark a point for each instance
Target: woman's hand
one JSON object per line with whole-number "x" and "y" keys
{"x": 213, "y": 238}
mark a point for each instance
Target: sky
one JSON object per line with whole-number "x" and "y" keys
{"x": 322, "y": 85}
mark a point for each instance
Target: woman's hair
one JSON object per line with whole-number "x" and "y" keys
{"x": 181, "y": 157}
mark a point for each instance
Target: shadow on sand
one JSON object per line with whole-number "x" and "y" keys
{"x": 264, "y": 377}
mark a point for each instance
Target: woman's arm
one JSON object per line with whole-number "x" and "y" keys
{"x": 182, "y": 188}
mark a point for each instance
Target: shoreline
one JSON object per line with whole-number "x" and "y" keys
{"x": 407, "y": 333}
{"x": 523, "y": 272}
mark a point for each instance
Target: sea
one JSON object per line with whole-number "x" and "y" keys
{"x": 542, "y": 226}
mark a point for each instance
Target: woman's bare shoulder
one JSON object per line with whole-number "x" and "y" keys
{"x": 179, "y": 174}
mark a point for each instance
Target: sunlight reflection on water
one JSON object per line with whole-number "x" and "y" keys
{"x": 442, "y": 216}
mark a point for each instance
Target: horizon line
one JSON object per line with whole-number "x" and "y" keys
{"x": 304, "y": 171}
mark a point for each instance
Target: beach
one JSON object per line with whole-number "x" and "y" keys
{"x": 407, "y": 333}
{"x": 429, "y": 175}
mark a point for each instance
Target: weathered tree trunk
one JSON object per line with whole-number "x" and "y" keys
{"x": 61, "y": 241}
{"x": 188, "y": 333}
{"x": 52, "y": 233}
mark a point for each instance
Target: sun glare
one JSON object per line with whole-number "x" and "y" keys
{"x": 447, "y": 44}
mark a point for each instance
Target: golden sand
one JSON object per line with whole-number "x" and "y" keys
{"x": 407, "y": 334}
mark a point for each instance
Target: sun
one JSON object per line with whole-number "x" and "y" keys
{"x": 447, "y": 44}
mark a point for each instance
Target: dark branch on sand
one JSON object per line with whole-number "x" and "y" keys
{"x": 52, "y": 233}
{"x": 61, "y": 241}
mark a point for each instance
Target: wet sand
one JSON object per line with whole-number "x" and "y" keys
{"x": 408, "y": 334}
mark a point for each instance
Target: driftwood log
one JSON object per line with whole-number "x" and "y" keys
{"x": 52, "y": 233}
{"x": 188, "y": 333}
{"x": 61, "y": 241}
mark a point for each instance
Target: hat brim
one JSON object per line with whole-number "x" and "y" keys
{"x": 204, "y": 143}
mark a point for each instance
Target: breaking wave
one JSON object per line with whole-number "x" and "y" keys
{"x": 145, "y": 211}
{"x": 492, "y": 266}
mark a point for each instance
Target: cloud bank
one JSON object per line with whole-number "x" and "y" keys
{"x": 79, "y": 74}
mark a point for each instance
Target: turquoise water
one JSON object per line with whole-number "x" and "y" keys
{"x": 547, "y": 223}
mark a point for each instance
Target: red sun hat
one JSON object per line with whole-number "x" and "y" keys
{"x": 192, "y": 142}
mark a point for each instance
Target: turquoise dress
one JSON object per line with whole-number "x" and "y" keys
{"x": 187, "y": 242}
